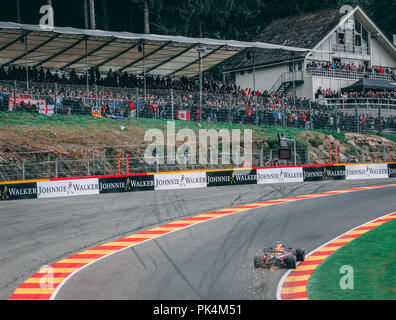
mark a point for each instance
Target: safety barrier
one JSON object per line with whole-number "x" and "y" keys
{"x": 66, "y": 187}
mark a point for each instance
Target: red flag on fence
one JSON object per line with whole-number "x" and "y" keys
{"x": 183, "y": 115}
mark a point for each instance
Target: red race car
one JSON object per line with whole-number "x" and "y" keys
{"x": 279, "y": 257}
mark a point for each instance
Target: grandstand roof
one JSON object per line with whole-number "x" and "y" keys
{"x": 65, "y": 48}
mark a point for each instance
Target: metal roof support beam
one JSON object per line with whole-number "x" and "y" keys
{"x": 170, "y": 59}
{"x": 86, "y": 62}
{"x": 14, "y": 41}
{"x": 59, "y": 53}
{"x": 117, "y": 55}
{"x": 200, "y": 50}
{"x": 90, "y": 53}
{"x": 144, "y": 72}
{"x": 27, "y": 67}
{"x": 34, "y": 49}
{"x": 145, "y": 56}
{"x": 197, "y": 60}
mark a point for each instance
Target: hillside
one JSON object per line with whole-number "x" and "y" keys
{"x": 37, "y": 146}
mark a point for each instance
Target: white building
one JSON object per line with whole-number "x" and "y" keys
{"x": 350, "y": 38}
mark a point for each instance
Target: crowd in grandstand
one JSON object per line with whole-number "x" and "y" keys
{"x": 359, "y": 96}
{"x": 338, "y": 66}
{"x": 115, "y": 79}
{"x": 118, "y": 96}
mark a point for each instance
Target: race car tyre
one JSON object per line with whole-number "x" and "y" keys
{"x": 291, "y": 262}
{"x": 257, "y": 262}
{"x": 300, "y": 254}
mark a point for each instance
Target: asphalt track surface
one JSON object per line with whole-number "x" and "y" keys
{"x": 212, "y": 260}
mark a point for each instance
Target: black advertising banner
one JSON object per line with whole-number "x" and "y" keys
{"x": 392, "y": 170}
{"x": 126, "y": 184}
{"x": 324, "y": 173}
{"x": 334, "y": 173}
{"x": 230, "y": 178}
{"x": 18, "y": 191}
{"x": 314, "y": 173}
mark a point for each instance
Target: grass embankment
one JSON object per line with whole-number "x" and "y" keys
{"x": 60, "y": 132}
{"x": 23, "y": 122}
{"x": 373, "y": 259}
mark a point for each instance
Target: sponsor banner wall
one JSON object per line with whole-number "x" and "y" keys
{"x": 126, "y": 184}
{"x": 366, "y": 171}
{"x": 392, "y": 170}
{"x": 180, "y": 180}
{"x": 229, "y": 178}
{"x": 314, "y": 173}
{"x": 18, "y": 191}
{"x": 279, "y": 175}
{"x": 324, "y": 173}
{"x": 334, "y": 173}
{"x": 67, "y": 188}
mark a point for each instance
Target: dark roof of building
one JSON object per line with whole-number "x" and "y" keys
{"x": 304, "y": 31}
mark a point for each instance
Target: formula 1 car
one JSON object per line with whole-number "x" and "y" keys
{"x": 279, "y": 257}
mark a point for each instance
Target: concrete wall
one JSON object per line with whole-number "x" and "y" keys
{"x": 380, "y": 57}
{"x": 265, "y": 77}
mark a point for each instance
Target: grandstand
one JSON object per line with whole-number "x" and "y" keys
{"x": 153, "y": 76}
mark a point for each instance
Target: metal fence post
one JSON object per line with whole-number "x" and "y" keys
{"x": 104, "y": 160}
{"x": 23, "y": 169}
{"x": 137, "y": 103}
{"x": 49, "y": 163}
{"x": 88, "y": 169}
{"x": 172, "y": 105}
{"x": 55, "y": 103}
{"x": 229, "y": 107}
{"x": 13, "y": 108}
{"x": 335, "y": 117}
{"x": 307, "y": 155}
{"x": 56, "y": 167}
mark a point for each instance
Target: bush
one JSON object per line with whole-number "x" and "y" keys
{"x": 316, "y": 141}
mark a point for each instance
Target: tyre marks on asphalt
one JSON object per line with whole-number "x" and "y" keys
{"x": 44, "y": 284}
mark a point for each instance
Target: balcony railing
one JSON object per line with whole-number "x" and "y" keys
{"x": 350, "y": 49}
{"x": 366, "y": 103}
{"x": 350, "y": 75}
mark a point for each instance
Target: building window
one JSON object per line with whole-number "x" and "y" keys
{"x": 351, "y": 37}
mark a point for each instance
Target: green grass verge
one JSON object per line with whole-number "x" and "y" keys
{"x": 263, "y": 132}
{"x": 373, "y": 259}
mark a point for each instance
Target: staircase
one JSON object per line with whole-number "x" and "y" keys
{"x": 285, "y": 81}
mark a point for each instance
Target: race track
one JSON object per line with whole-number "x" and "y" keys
{"x": 212, "y": 260}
